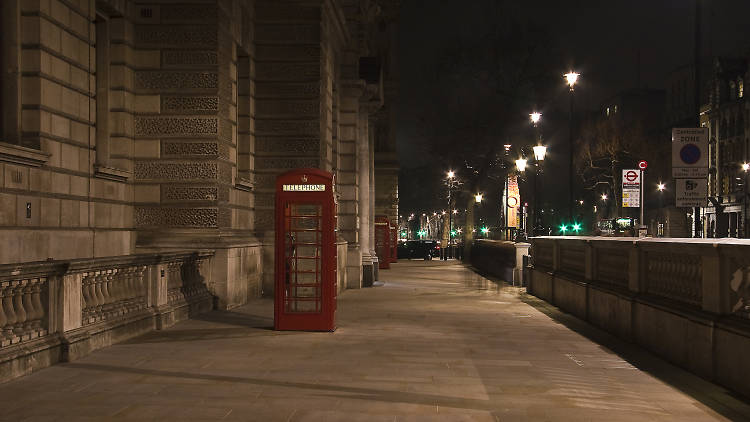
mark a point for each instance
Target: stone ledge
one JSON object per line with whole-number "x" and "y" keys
{"x": 16, "y": 154}
{"x": 244, "y": 184}
{"x": 111, "y": 173}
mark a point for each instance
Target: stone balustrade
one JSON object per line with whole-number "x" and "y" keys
{"x": 24, "y": 307}
{"x": 60, "y": 310}
{"x": 687, "y": 300}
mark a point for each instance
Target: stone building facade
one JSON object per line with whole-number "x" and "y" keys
{"x": 726, "y": 114}
{"x": 136, "y": 127}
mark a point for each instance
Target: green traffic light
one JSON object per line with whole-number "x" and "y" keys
{"x": 576, "y": 227}
{"x": 485, "y": 230}
{"x": 453, "y": 232}
{"x": 563, "y": 228}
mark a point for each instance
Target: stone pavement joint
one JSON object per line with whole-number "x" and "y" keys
{"x": 433, "y": 342}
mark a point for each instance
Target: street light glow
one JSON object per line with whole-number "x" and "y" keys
{"x": 521, "y": 164}
{"x": 478, "y": 198}
{"x": 745, "y": 166}
{"x": 604, "y": 197}
{"x": 535, "y": 117}
{"x": 571, "y": 78}
{"x": 455, "y": 211}
{"x": 539, "y": 152}
{"x": 661, "y": 186}
{"x": 451, "y": 174}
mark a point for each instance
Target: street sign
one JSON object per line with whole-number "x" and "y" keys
{"x": 631, "y": 179}
{"x": 631, "y": 188}
{"x": 643, "y": 165}
{"x": 690, "y": 152}
{"x": 691, "y": 192}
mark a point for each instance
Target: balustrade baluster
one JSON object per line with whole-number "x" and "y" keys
{"x": 106, "y": 285}
{"x": 132, "y": 281}
{"x": 29, "y": 306}
{"x": 99, "y": 296}
{"x": 140, "y": 287}
{"x": 10, "y": 314}
{"x": 18, "y": 308}
{"x": 117, "y": 292}
{"x": 3, "y": 318}
{"x": 36, "y": 299}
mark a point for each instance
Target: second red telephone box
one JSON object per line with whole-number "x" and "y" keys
{"x": 383, "y": 242}
{"x": 305, "y": 273}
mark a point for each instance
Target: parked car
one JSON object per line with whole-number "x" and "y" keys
{"x": 424, "y": 249}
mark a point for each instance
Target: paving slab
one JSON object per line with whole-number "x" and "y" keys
{"x": 431, "y": 341}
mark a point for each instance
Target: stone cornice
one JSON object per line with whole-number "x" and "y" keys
{"x": 111, "y": 173}
{"x": 16, "y": 154}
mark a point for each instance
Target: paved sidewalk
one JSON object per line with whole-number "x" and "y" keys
{"x": 433, "y": 342}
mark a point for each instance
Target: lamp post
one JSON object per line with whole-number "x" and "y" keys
{"x": 745, "y": 168}
{"x": 571, "y": 78}
{"x": 521, "y": 232}
{"x": 539, "y": 153}
{"x": 659, "y": 224}
{"x": 450, "y": 181}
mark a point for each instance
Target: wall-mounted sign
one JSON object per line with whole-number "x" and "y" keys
{"x": 304, "y": 188}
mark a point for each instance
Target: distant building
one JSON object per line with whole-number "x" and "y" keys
{"x": 724, "y": 115}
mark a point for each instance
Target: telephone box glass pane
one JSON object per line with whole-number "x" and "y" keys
{"x": 304, "y": 241}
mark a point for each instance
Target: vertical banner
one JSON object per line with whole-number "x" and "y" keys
{"x": 513, "y": 196}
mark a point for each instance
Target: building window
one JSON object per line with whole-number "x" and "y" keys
{"x": 10, "y": 75}
{"x": 740, "y": 88}
{"x": 245, "y": 109}
{"x": 102, "y": 91}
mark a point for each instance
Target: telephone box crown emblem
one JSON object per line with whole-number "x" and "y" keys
{"x": 304, "y": 178}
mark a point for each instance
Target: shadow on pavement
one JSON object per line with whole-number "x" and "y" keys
{"x": 393, "y": 396}
{"x": 719, "y": 399}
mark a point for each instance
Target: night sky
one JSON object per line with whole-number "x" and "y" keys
{"x": 601, "y": 39}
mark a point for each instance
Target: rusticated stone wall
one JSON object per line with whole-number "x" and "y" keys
{"x": 58, "y": 199}
{"x": 296, "y": 48}
{"x": 143, "y": 126}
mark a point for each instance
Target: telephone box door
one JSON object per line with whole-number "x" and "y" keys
{"x": 305, "y": 276}
{"x": 394, "y": 244}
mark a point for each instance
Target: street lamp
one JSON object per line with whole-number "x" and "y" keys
{"x": 478, "y": 198}
{"x": 571, "y": 78}
{"x": 535, "y": 117}
{"x": 521, "y": 164}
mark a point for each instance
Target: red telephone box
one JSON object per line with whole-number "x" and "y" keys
{"x": 394, "y": 244}
{"x": 383, "y": 241}
{"x": 305, "y": 291}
